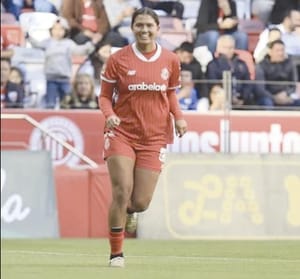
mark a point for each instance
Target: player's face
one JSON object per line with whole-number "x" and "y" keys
{"x": 145, "y": 29}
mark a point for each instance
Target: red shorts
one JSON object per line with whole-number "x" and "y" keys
{"x": 150, "y": 157}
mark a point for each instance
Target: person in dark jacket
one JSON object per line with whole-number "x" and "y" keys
{"x": 227, "y": 60}
{"x": 12, "y": 94}
{"x": 216, "y": 17}
{"x": 277, "y": 70}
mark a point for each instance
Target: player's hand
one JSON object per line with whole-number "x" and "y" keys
{"x": 180, "y": 127}
{"x": 112, "y": 121}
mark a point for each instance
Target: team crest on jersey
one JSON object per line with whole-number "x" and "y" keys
{"x": 164, "y": 74}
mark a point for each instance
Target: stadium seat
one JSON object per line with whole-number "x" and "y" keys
{"x": 166, "y": 23}
{"x": 247, "y": 57}
{"x": 8, "y": 18}
{"x": 253, "y": 27}
{"x": 172, "y": 39}
{"x": 13, "y": 34}
{"x": 37, "y": 24}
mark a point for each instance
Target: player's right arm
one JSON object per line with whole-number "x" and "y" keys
{"x": 108, "y": 82}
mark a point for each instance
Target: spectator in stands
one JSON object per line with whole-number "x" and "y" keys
{"x": 12, "y": 94}
{"x": 172, "y": 8}
{"x": 119, "y": 14}
{"x": 189, "y": 62}
{"x": 278, "y": 71}
{"x": 16, "y": 76}
{"x": 83, "y": 94}
{"x": 95, "y": 62}
{"x": 187, "y": 94}
{"x": 227, "y": 60}
{"x": 273, "y": 35}
{"x": 58, "y": 65}
{"x": 6, "y": 50}
{"x": 217, "y": 98}
{"x": 289, "y": 37}
{"x": 16, "y": 7}
{"x": 89, "y": 22}
{"x": 279, "y": 9}
{"x": 217, "y": 17}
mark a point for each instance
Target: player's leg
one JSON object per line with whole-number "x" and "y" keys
{"x": 148, "y": 168}
{"x": 121, "y": 173}
{"x": 120, "y": 159}
{"x": 145, "y": 181}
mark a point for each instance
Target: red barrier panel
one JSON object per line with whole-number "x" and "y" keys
{"x": 83, "y": 198}
{"x": 250, "y": 132}
{"x": 100, "y": 198}
{"x": 72, "y": 192}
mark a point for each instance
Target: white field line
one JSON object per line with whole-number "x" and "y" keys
{"x": 161, "y": 257}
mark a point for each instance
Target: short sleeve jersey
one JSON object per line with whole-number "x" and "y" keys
{"x": 140, "y": 93}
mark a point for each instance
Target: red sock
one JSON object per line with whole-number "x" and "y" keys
{"x": 116, "y": 237}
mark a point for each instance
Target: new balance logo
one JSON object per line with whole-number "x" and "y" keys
{"x": 147, "y": 87}
{"x": 131, "y": 72}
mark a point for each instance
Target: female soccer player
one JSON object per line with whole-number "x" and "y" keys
{"x": 137, "y": 97}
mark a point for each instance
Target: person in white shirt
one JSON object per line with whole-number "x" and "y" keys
{"x": 288, "y": 25}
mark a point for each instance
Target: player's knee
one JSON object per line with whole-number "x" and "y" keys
{"x": 140, "y": 205}
{"x": 120, "y": 198}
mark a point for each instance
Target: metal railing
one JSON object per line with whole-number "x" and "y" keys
{"x": 66, "y": 145}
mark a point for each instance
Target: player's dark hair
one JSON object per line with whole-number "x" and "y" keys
{"x": 144, "y": 11}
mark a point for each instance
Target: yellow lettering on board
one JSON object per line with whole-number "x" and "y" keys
{"x": 211, "y": 187}
{"x": 292, "y": 185}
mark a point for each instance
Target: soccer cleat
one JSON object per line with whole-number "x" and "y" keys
{"x": 117, "y": 262}
{"x": 131, "y": 223}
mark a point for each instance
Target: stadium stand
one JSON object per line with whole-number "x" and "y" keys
{"x": 252, "y": 27}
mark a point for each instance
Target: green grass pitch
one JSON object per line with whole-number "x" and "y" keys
{"x": 151, "y": 259}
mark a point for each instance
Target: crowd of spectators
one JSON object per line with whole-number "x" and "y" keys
{"x": 266, "y": 78}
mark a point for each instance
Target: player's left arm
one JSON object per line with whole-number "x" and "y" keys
{"x": 174, "y": 82}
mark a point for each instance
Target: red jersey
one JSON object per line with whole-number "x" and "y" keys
{"x": 140, "y": 95}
